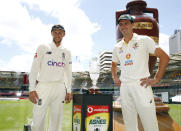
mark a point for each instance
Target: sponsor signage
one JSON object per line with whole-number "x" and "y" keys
{"x": 76, "y": 118}
{"x": 97, "y": 118}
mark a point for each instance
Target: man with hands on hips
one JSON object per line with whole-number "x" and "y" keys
{"x": 50, "y": 82}
{"x": 132, "y": 52}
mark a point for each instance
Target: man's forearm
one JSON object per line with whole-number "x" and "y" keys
{"x": 161, "y": 67}
{"x": 114, "y": 70}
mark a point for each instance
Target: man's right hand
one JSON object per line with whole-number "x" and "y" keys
{"x": 117, "y": 82}
{"x": 33, "y": 97}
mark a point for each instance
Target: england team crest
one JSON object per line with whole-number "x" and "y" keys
{"x": 63, "y": 56}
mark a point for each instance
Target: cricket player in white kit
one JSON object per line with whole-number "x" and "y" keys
{"x": 132, "y": 52}
{"x": 50, "y": 82}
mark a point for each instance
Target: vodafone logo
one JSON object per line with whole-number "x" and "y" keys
{"x": 90, "y": 110}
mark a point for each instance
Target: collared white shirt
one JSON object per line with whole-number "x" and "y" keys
{"x": 133, "y": 57}
{"x": 51, "y": 63}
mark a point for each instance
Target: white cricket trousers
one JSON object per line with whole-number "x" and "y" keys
{"x": 52, "y": 95}
{"x": 136, "y": 99}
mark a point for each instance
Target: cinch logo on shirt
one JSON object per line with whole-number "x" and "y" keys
{"x": 54, "y": 63}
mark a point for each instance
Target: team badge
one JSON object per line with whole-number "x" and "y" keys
{"x": 135, "y": 46}
{"x": 128, "y": 56}
{"x": 63, "y": 56}
{"x": 128, "y": 61}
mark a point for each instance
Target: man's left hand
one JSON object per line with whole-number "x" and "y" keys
{"x": 68, "y": 98}
{"x": 148, "y": 82}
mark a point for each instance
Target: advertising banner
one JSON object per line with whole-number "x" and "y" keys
{"x": 76, "y": 118}
{"x": 97, "y": 118}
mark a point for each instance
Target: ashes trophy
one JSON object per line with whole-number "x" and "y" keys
{"x": 94, "y": 71}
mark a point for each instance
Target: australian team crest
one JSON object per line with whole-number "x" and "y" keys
{"x": 63, "y": 56}
{"x": 135, "y": 46}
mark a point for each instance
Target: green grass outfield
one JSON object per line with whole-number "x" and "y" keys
{"x": 175, "y": 112}
{"x": 14, "y": 114}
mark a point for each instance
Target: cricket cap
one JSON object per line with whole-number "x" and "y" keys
{"x": 125, "y": 17}
{"x": 56, "y": 27}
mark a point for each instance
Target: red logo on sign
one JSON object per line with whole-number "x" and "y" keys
{"x": 77, "y": 109}
{"x": 91, "y": 110}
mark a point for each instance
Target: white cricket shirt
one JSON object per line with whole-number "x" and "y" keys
{"x": 133, "y": 57}
{"x": 51, "y": 64}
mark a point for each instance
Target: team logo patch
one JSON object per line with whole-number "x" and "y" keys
{"x": 63, "y": 56}
{"x": 128, "y": 61}
{"x": 128, "y": 56}
{"x": 120, "y": 50}
{"x": 135, "y": 46}
{"x": 35, "y": 56}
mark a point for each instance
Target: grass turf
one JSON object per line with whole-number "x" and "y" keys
{"x": 14, "y": 114}
{"x": 175, "y": 112}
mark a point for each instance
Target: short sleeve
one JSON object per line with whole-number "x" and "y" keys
{"x": 150, "y": 45}
{"x": 115, "y": 57}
